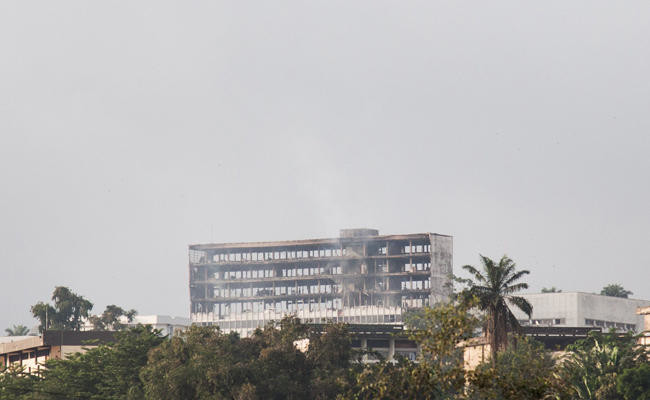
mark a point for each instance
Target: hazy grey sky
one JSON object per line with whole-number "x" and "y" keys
{"x": 130, "y": 129}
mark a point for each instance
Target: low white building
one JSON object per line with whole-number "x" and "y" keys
{"x": 166, "y": 324}
{"x": 577, "y": 309}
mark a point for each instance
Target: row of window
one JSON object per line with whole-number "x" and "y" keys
{"x": 417, "y": 285}
{"x": 28, "y": 355}
{"x": 384, "y": 343}
{"x": 610, "y": 324}
{"x": 365, "y": 319}
{"x": 200, "y": 256}
{"x": 284, "y": 273}
{"x": 415, "y": 302}
{"x": 310, "y": 271}
{"x": 248, "y": 274}
{"x": 588, "y": 322}
{"x": 289, "y": 272}
{"x": 275, "y": 306}
{"x": 543, "y": 321}
{"x": 276, "y": 291}
{"x": 422, "y": 266}
{"x": 277, "y": 255}
{"x": 288, "y": 306}
{"x": 416, "y": 248}
{"x": 287, "y": 290}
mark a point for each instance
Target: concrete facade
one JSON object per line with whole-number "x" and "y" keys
{"x": 359, "y": 277}
{"x": 577, "y": 309}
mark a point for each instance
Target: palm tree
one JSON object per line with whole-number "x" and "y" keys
{"x": 18, "y": 330}
{"x": 494, "y": 288}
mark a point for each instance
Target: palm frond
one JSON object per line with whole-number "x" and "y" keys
{"x": 505, "y": 261}
{"x": 505, "y": 273}
{"x": 516, "y": 276}
{"x": 491, "y": 271}
{"x": 522, "y": 304}
{"x": 514, "y": 288}
{"x": 477, "y": 274}
{"x": 486, "y": 261}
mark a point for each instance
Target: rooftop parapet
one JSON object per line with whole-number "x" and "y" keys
{"x": 358, "y": 232}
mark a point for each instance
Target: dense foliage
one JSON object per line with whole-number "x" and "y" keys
{"x": 523, "y": 371}
{"x": 439, "y": 371}
{"x": 205, "y": 363}
{"x": 604, "y": 366}
{"x": 292, "y": 360}
{"x": 106, "y": 372}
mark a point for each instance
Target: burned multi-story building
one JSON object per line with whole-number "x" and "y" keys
{"x": 359, "y": 277}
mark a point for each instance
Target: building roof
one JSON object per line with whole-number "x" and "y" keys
{"x": 613, "y": 298}
{"x": 59, "y": 338}
{"x": 308, "y": 242}
{"x": 160, "y": 319}
{"x": 8, "y": 339}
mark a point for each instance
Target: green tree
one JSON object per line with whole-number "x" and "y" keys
{"x": 17, "y": 330}
{"x": 551, "y": 290}
{"x": 15, "y": 384}
{"x": 494, "y": 289}
{"x": 634, "y": 383}
{"x": 439, "y": 372}
{"x": 329, "y": 355}
{"x": 205, "y": 363}
{"x": 438, "y": 330}
{"x": 615, "y": 290}
{"x": 67, "y": 313}
{"x": 110, "y": 371}
{"x": 593, "y": 365}
{"x": 110, "y": 319}
{"x": 404, "y": 380}
{"x": 521, "y": 372}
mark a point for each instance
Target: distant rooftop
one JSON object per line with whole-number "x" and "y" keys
{"x": 581, "y": 293}
{"x": 160, "y": 319}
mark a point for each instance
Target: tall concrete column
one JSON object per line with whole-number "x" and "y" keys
{"x": 442, "y": 261}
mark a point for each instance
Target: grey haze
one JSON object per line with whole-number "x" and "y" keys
{"x": 130, "y": 129}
